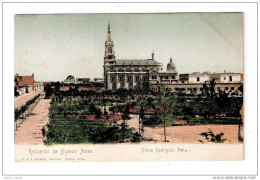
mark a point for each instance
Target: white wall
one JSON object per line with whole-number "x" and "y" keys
{"x": 235, "y": 78}
{"x": 203, "y": 78}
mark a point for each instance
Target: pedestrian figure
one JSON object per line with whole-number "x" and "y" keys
{"x": 43, "y": 132}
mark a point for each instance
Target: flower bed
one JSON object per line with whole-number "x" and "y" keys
{"x": 87, "y": 117}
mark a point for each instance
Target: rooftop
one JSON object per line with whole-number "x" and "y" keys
{"x": 128, "y": 62}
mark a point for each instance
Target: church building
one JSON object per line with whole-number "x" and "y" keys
{"x": 134, "y": 73}
{"x": 148, "y": 74}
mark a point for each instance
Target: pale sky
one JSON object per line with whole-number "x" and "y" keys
{"x": 55, "y": 46}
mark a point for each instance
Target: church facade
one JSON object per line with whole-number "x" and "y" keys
{"x": 133, "y": 73}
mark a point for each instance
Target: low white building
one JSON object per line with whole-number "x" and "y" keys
{"x": 226, "y": 77}
{"x": 197, "y": 77}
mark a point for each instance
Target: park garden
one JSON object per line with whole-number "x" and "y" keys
{"x": 86, "y": 116}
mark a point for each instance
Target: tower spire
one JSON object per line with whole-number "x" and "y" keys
{"x": 108, "y": 29}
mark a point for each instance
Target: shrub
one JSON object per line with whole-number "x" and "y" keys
{"x": 136, "y": 137}
{"x": 217, "y": 138}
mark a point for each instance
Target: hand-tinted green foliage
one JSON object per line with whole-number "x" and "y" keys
{"x": 76, "y": 130}
{"x": 211, "y": 137}
{"x": 16, "y": 93}
{"x": 72, "y": 131}
{"x": 19, "y": 111}
{"x": 152, "y": 120}
{"x": 137, "y": 137}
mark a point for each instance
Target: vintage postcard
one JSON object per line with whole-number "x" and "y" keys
{"x": 128, "y": 87}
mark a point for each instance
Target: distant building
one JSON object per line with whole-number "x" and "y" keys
{"x": 126, "y": 73}
{"x": 83, "y": 80}
{"x": 101, "y": 80}
{"x": 148, "y": 73}
{"x": 197, "y": 77}
{"x": 69, "y": 80}
{"x": 38, "y": 86}
{"x": 226, "y": 77}
{"x": 24, "y": 84}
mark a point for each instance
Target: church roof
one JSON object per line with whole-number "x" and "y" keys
{"x": 136, "y": 62}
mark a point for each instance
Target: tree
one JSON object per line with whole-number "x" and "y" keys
{"x": 16, "y": 93}
{"x": 126, "y": 112}
{"x": 48, "y": 90}
{"x": 167, "y": 104}
{"x": 210, "y": 104}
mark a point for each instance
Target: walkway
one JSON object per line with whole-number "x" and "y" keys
{"x": 21, "y": 100}
{"x": 186, "y": 134}
{"x": 30, "y": 130}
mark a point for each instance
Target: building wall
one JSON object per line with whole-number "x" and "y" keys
{"x": 83, "y": 80}
{"x": 198, "y": 78}
{"x": 226, "y": 78}
{"x": 24, "y": 81}
{"x": 127, "y": 80}
{"x": 196, "y": 88}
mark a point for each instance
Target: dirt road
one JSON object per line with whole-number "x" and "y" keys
{"x": 30, "y": 130}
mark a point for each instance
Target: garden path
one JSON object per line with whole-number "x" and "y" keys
{"x": 186, "y": 134}
{"x": 21, "y": 100}
{"x": 29, "y": 131}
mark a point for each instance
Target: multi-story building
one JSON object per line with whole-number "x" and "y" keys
{"x": 127, "y": 73}
{"x": 24, "y": 84}
{"x": 148, "y": 73}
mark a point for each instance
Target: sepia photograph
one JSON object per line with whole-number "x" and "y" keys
{"x": 127, "y": 80}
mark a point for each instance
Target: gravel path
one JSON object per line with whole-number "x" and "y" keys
{"x": 30, "y": 130}
{"x": 21, "y": 100}
{"x": 187, "y": 134}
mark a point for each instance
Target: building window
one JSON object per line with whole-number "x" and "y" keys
{"x": 201, "y": 89}
{"x": 144, "y": 78}
{"x": 173, "y": 77}
{"x": 224, "y": 78}
{"x": 194, "y": 89}
{"x": 137, "y": 78}
{"x": 218, "y": 88}
{"x": 112, "y": 78}
{"x": 161, "y": 77}
{"x": 154, "y": 77}
{"x": 232, "y": 88}
{"x": 230, "y": 78}
{"x": 226, "y": 88}
{"x": 129, "y": 79}
{"x": 166, "y": 77}
{"x": 198, "y": 79}
{"x": 121, "y": 79}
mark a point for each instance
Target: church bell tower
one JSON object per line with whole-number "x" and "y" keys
{"x": 109, "y": 58}
{"x": 109, "y": 49}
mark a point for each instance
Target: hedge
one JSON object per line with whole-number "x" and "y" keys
{"x": 19, "y": 111}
